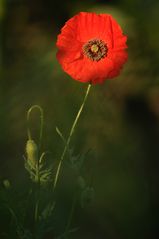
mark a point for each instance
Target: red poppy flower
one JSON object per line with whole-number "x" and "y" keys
{"x": 91, "y": 47}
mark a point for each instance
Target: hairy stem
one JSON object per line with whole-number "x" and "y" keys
{"x": 70, "y": 135}
{"x": 36, "y": 212}
{"x": 41, "y": 122}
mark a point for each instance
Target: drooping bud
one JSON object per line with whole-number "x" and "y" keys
{"x": 6, "y": 183}
{"x": 32, "y": 153}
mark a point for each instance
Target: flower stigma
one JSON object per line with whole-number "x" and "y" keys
{"x": 95, "y": 49}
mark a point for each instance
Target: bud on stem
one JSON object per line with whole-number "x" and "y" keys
{"x": 32, "y": 153}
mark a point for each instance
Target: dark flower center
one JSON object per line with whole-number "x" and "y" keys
{"x": 95, "y": 49}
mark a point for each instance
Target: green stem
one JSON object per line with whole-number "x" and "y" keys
{"x": 36, "y": 210}
{"x": 70, "y": 135}
{"x": 70, "y": 215}
{"x": 41, "y": 122}
{"x": 38, "y": 192}
{"x": 37, "y": 198}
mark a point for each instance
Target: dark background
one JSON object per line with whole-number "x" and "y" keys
{"x": 120, "y": 123}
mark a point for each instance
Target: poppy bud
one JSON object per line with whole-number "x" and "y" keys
{"x": 32, "y": 153}
{"x": 6, "y": 183}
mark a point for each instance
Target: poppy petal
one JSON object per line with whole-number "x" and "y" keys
{"x": 91, "y": 47}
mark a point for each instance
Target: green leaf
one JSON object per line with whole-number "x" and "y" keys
{"x": 60, "y": 134}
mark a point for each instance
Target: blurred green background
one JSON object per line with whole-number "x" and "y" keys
{"x": 120, "y": 124}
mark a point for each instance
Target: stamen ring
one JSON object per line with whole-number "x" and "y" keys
{"x": 95, "y": 49}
